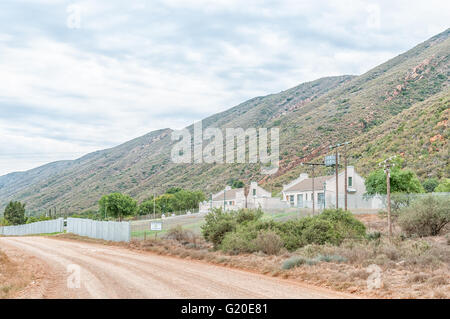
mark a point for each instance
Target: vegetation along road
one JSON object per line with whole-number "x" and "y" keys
{"x": 116, "y": 272}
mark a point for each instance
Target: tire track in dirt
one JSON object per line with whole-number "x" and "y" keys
{"x": 116, "y": 272}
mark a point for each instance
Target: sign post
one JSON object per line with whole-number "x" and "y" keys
{"x": 156, "y": 226}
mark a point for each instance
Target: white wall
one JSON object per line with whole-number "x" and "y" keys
{"x": 44, "y": 227}
{"x": 107, "y": 230}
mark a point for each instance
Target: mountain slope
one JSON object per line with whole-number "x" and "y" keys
{"x": 137, "y": 166}
{"x": 311, "y": 117}
{"x": 419, "y": 135}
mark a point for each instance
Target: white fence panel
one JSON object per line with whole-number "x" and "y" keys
{"x": 107, "y": 230}
{"x": 44, "y": 227}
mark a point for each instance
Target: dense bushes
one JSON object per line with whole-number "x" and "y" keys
{"x": 217, "y": 224}
{"x": 175, "y": 199}
{"x": 15, "y": 213}
{"x": 426, "y": 216}
{"x": 245, "y": 232}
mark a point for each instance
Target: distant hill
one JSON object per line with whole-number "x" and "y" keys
{"x": 400, "y": 107}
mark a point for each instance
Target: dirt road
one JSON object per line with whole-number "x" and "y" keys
{"x": 116, "y": 272}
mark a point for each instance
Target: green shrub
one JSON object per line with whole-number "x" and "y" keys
{"x": 268, "y": 242}
{"x": 331, "y": 258}
{"x": 346, "y": 225}
{"x": 248, "y": 215}
{"x": 291, "y": 232}
{"x": 244, "y": 238}
{"x": 238, "y": 242}
{"x": 217, "y": 224}
{"x": 426, "y": 216}
{"x": 293, "y": 262}
{"x": 320, "y": 231}
{"x": 244, "y": 231}
{"x": 430, "y": 184}
{"x": 444, "y": 186}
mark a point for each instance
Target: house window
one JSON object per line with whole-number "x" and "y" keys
{"x": 291, "y": 199}
{"x": 254, "y": 191}
{"x": 350, "y": 181}
{"x": 306, "y": 196}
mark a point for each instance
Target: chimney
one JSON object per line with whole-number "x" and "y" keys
{"x": 303, "y": 176}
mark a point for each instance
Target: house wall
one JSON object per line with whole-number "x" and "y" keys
{"x": 307, "y": 198}
{"x": 356, "y": 191}
{"x": 358, "y": 183}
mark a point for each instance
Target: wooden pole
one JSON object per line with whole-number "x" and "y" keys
{"x": 313, "y": 205}
{"x": 154, "y": 206}
{"x": 345, "y": 182}
{"x": 388, "y": 191}
{"x": 337, "y": 180}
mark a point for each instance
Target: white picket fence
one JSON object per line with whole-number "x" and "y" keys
{"x": 107, "y": 230}
{"x": 44, "y": 227}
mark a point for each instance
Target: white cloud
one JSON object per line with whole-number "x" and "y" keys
{"x": 133, "y": 68}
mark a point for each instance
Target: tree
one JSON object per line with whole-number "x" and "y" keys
{"x": 402, "y": 181}
{"x": 235, "y": 183}
{"x": 117, "y": 205}
{"x": 146, "y": 206}
{"x": 166, "y": 202}
{"x": 35, "y": 219}
{"x": 430, "y": 184}
{"x": 444, "y": 186}
{"x": 173, "y": 190}
{"x": 15, "y": 213}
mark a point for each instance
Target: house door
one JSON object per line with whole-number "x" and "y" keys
{"x": 300, "y": 200}
{"x": 321, "y": 200}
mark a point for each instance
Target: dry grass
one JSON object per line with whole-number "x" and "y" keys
{"x": 410, "y": 268}
{"x": 13, "y": 278}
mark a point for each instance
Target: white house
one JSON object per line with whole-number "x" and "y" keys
{"x": 299, "y": 193}
{"x": 234, "y": 198}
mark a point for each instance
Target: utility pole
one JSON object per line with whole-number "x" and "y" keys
{"x": 337, "y": 173}
{"x": 313, "y": 185}
{"x": 313, "y": 193}
{"x": 337, "y": 178}
{"x": 154, "y": 206}
{"x": 224, "y": 195}
{"x": 211, "y": 206}
{"x": 388, "y": 191}
{"x": 387, "y": 168}
{"x": 246, "y": 192}
{"x": 345, "y": 179}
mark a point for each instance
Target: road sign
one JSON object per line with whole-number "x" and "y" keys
{"x": 330, "y": 160}
{"x": 156, "y": 226}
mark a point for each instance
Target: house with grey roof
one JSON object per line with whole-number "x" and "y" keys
{"x": 234, "y": 199}
{"x": 299, "y": 192}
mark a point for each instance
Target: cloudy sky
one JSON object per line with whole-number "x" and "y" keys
{"x": 78, "y": 76}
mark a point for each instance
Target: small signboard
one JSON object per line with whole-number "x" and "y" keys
{"x": 330, "y": 160}
{"x": 156, "y": 226}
